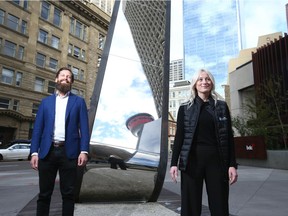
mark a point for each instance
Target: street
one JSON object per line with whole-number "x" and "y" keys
{"x": 258, "y": 192}
{"x": 18, "y": 185}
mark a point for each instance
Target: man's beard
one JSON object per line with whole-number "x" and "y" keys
{"x": 63, "y": 87}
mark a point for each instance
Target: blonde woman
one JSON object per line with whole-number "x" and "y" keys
{"x": 204, "y": 149}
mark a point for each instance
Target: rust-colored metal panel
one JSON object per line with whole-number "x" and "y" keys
{"x": 250, "y": 147}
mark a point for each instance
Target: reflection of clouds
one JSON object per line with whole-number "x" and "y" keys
{"x": 150, "y": 160}
{"x": 113, "y": 134}
{"x": 125, "y": 91}
{"x": 123, "y": 44}
{"x": 121, "y": 94}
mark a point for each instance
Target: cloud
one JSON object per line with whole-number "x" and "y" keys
{"x": 125, "y": 91}
{"x": 176, "y": 33}
{"x": 259, "y": 17}
{"x": 263, "y": 17}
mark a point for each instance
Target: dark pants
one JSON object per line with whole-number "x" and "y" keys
{"x": 55, "y": 161}
{"x": 204, "y": 165}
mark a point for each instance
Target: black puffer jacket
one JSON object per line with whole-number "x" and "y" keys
{"x": 186, "y": 126}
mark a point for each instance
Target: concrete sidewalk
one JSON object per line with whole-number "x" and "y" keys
{"x": 258, "y": 192}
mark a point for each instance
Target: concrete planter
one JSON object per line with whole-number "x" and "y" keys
{"x": 277, "y": 159}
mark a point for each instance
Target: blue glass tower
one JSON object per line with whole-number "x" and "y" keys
{"x": 211, "y": 37}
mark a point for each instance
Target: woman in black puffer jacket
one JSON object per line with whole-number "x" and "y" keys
{"x": 204, "y": 149}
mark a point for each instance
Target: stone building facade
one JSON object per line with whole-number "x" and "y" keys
{"x": 36, "y": 39}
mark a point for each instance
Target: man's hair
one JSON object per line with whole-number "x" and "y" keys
{"x": 65, "y": 68}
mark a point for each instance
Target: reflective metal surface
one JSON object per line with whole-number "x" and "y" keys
{"x": 129, "y": 108}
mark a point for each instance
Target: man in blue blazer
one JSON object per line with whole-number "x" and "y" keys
{"x": 60, "y": 142}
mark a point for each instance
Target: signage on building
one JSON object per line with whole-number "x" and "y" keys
{"x": 250, "y": 147}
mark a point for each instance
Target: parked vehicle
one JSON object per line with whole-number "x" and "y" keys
{"x": 19, "y": 151}
{"x": 16, "y": 141}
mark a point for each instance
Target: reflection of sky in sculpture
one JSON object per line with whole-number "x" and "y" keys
{"x": 125, "y": 91}
{"x": 150, "y": 160}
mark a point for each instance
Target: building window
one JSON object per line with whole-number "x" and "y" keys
{"x": 81, "y": 75}
{"x": 24, "y": 27}
{"x": 10, "y": 48}
{"x": 78, "y": 29}
{"x": 75, "y": 71}
{"x": 35, "y": 108}
{"x": 7, "y": 76}
{"x": 16, "y": 1}
{"x": 55, "y": 42}
{"x": 13, "y": 22}
{"x": 25, "y": 4}
{"x": 77, "y": 92}
{"x": 84, "y": 33}
{"x": 57, "y": 17}
{"x": 72, "y": 28}
{"x": 2, "y": 14}
{"x": 76, "y": 52}
{"x": 19, "y": 76}
{"x": 20, "y": 52}
{"x": 78, "y": 73}
{"x": 4, "y": 103}
{"x": 45, "y": 10}
{"x": 83, "y": 55}
{"x": 43, "y": 36}
{"x": 51, "y": 87}
{"x": 53, "y": 63}
{"x": 101, "y": 41}
{"x": 40, "y": 60}
{"x": 98, "y": 61}
{"x": 21, "y": 3}
{"x": 15, "y": 105}
{"x": 70, "y": 49}
{"x": 39, "y": 84}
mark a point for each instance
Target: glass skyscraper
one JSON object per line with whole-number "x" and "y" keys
{"x": 211, "y": 37}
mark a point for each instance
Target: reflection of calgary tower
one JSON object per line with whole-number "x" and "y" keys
{"x": 135, "y": 123}
{"x": 146, "y": 20}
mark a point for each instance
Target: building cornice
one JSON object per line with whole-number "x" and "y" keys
{"x": 16, "y": 115}
{"x": 81, "y": 7}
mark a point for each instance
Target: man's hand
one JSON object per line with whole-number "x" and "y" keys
{"x": 34, "y": 162}
{"x": 82, "y": 159}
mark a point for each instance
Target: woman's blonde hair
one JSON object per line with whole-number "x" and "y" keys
{"x": 193, "y": 91}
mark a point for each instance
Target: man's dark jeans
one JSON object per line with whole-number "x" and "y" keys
{"x": 55, "y": 161}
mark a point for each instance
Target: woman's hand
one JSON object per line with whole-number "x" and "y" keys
{"x": 233, "y": 176}
{"x": 174, "y": 173}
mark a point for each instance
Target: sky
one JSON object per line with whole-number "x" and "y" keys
{"x": 124, "y": 93}
{"x": 261, "y": 17}
{"x": 127, "y": 96}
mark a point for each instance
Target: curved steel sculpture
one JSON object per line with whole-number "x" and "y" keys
{"x": 129, "y": 108}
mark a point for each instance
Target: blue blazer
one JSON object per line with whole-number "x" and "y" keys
{"x": 76, "y": 122}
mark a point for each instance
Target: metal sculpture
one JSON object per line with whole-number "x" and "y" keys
{"x": 129, "y": 108}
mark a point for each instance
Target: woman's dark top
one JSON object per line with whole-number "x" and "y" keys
{"x": 187, "y": 123}
{"x": 205, "y": 131}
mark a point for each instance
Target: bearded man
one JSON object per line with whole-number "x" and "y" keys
{"x": 60, "y": 142}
